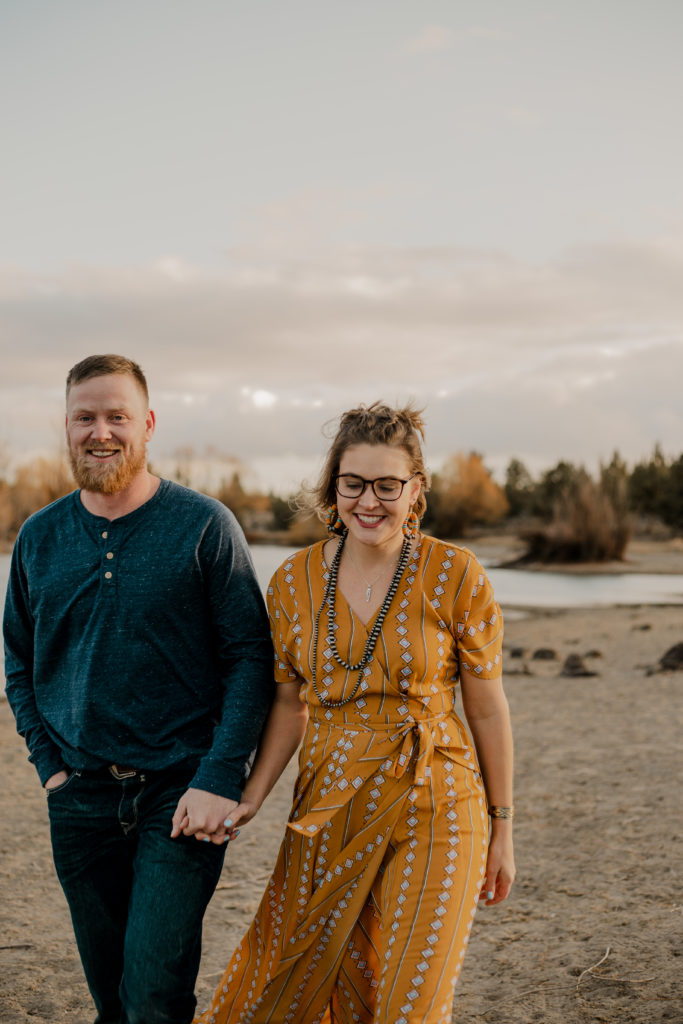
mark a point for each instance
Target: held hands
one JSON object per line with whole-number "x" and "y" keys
{"x": 210, "y": 817}
{"x": 500, "y": 866}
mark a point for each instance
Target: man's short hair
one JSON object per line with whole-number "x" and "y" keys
{"x": 100, "y": 366}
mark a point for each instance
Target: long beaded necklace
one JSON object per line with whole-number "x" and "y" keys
{"x": 329, "y": 598}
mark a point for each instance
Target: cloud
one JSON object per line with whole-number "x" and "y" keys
{"x": 571, "y": 358}
{"x": 438, "y": 38}
{"x": 430, "y": 39}
{"x": 259, "y": 398}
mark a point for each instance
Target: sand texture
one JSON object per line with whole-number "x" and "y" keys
{"x": 593, "y": 930}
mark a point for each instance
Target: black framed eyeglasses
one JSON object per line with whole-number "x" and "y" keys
{"x": 386, "y": 488}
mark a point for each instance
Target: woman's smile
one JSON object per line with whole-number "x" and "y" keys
{"x": 369, "y": 520}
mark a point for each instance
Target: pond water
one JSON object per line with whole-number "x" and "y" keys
{"x": 515, "y": 588}
{"x": 522, "y": 588}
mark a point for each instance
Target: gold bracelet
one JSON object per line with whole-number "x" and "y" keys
{"x": 502, "y": 812}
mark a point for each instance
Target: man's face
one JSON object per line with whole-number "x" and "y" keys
{"x": 108, "y": 426}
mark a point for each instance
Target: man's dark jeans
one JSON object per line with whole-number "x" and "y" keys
{"x": 136, "y": 896}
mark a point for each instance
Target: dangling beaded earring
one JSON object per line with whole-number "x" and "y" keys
{"x": 333, "y": 520}
{"x": 411, "y": 524}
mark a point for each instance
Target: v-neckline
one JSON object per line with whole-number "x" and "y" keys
{"x": 367, "y": 626}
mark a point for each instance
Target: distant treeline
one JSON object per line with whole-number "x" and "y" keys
{"x": 570, "y": 516}
{"x": 565, "y": 514}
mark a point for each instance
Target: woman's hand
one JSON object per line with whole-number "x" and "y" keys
{"x": 228, "y": 830}
{"x": 281, "y": 736}
{"x": 500, "y": 864}
{"x": 203, "y": 815}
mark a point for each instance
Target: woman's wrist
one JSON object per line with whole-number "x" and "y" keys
{"x": 253, "y": 798}
{"x": 501, "y": 812}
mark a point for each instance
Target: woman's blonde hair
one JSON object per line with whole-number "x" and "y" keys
{"x": 372, "y": 424}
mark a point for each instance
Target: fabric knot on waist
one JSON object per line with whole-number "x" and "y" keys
{"x": 414, "y": 730}
{"x": 363, "y": 749}
{"x": 418, "y": 742}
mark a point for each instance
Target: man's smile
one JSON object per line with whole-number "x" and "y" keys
{"x": 102, "y": 453}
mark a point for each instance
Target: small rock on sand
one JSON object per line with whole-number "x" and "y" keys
{"x": 673, "y": 659}
{"x": 544, "y": 654}
{"x": 574, "y": 666}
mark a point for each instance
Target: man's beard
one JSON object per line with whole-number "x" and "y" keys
{"x": 110, "y": 478}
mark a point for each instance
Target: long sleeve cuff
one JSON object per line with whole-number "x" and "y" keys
{"x": 48, "y": 763}
{"x": 220, "y": 778}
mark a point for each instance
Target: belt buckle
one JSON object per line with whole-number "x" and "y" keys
{"x": 120, "y": 772}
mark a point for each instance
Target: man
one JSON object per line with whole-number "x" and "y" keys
{"x": 139, "y": 669}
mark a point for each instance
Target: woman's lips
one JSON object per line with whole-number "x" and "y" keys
{"x": 369, "y": 521}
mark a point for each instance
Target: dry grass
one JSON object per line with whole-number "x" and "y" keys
{"x": 589, "y": 525}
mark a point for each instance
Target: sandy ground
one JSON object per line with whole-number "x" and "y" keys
{"x": 593, "y": 930}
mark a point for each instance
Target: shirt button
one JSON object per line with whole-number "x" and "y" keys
{"x": 105, "y": 534}
{"x": 110, "y": 554}
{"x": 108, "y": 575}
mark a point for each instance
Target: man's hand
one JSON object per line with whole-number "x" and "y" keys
{"x": 204, "y": 816}
{"x": 56, "y": 780}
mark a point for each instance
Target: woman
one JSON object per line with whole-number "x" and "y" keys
{"x": 387, "y": 850}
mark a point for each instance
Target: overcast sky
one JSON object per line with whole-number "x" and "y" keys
{"x": 283, "y": 208}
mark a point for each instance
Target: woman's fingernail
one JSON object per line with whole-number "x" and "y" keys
{"x": 226, "y": 839}
{"x": 228, "y": 822}
{"x": 206, "y": 839}
{"x": 489, "y": 895}
{"x": 235, "y": 833}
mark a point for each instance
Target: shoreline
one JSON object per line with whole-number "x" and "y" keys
{"x": 660, "y": 557}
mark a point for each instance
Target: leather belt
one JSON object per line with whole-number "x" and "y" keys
{"x": 120, "y": 771}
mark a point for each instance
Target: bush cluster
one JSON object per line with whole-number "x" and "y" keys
{"x": 577, "y": 518}
{"x": 565, "y": 515}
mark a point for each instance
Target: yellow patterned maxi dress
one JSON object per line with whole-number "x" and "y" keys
{"x": 369, "y": 908}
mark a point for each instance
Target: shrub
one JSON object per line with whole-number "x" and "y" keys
{"x": 464, "y": 494}
{"x": 519, "y": 488}
{"x": 589, "y": 525}
{"x": 305, "y": 528}
{"x": 37, "y": 483}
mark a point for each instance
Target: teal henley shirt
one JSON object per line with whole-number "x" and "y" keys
{"x": 141, "y": 641}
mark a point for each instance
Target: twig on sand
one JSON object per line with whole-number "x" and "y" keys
{"x": 542, "y": 986}
{"x": 589, "y": 970}
{"x": 19, "y": 945}
{"x": 609, "y": 977}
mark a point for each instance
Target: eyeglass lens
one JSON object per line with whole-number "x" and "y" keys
{"x": 386, "y": 488}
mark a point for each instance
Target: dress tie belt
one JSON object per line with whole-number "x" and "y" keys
{"x": 417, "y": 734}
{"x": 417, "y": 739}
{"x": 418, "y": 742}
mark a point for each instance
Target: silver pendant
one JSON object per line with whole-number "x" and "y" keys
{"x": 367, "y": 595}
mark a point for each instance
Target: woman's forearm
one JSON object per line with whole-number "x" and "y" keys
{"x": 492, "y": 737}
{"x": 488, "y": 717}
{"x": 489, "y": 723}
{"x": 282, "y": 734}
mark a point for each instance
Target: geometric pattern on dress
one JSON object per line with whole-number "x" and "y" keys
{"x": 375, "y": 771}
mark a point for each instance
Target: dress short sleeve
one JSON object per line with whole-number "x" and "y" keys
{"x": 282, "y": 629}
{"x": 478, "y": 623}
